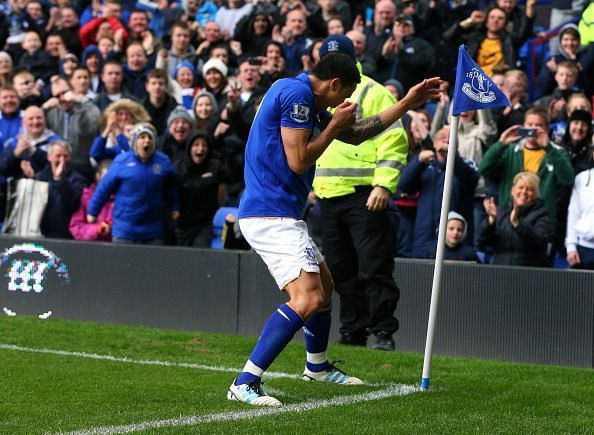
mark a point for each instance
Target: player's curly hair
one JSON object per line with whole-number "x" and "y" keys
{"x": 337, "y": 65}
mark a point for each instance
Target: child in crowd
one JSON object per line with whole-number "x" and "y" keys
{"x": 35, "y": 59}
{"x": 455, "y": 248}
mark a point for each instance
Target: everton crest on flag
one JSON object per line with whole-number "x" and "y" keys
{"x": 474, "y": 89}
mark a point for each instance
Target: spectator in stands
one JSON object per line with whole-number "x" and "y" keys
{"x": 214, "y": 73}
{"x": 6, "y": 65}
{"x": 206, "y": 114}
{"x": 555, "y": 103}
{"x": 577, "y": 140}
{"x": 112, "y": 78}
{"x": 486, "y": 37}
{"x": 521, "y": 230}
{"x": 579, "y": 241}
{"x": 229, "y": 14}
{"x": 184, "y": 84}
{"x": 28, "y": 91}
{"x": 181, "y": 48}
{"x": 520, "y": 21}
{"x": 364, "y": 56}
{"x": 100, "y": 230}
{"x": 212, "y": 35}
{"x": 93, "y": 60}
{"x": 202, "y": 191}
{"x": 515, "y": 87}
{"x": 243, "y": 104}
{"x": 54, "y": 45}
{"x": 107, "y": 24}
{"x": 335, "y": 26}
{"x": 74, "y": 119}
{"x": 570, "y": 50}
{"x": 67, "y": 25}
{"x": 138, "y": 31}
{"x": 136, "y": 70}
{"x": 67, "y": 65}
{"x": 294, "y": 37}
{"x": 405, "y": 56}
{"x": 575, "y": 101}
{"x": 175, "y": 140}
{"x": 253, "y": 31}
{"x": 378, "y": 32}
{"x": 395, "y": 88}
{"x": 144, "y": 178}
{"x": 80, "y": 82}
{"x": 561, "y": 12}
{"x": 34, "y": 18}
{"x": 455, "y": 248}
{"x": 158, "y": 103}
{"x": 321, "y": 12}
{"x": 10, "y": 115}
{"x": 273, "y": 63}
{"x": 116, "y": 121}
{"x": 35, "y": 59}
{"x": 425, "y": 173}
{"x": 30, "y": 145}
{"x": 513, "y": 153}
{"x": 65, "y": 190}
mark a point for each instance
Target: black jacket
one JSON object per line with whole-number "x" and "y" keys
{"x": 525, "y": 245}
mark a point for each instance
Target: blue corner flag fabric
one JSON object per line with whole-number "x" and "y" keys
{"x": 474, "y": 89}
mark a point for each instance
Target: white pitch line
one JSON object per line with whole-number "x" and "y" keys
{"x": 194, "y": 420}
{"x": 146, "y": 362}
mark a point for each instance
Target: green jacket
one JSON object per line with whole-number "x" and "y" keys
{"x": 501, "y": 163}
{"x": 375, "y": 162}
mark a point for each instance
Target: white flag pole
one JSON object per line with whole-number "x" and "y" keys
{"x": 445, "y": 205}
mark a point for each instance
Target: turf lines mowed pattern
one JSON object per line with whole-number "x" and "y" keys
{"x": 49, "y": 392}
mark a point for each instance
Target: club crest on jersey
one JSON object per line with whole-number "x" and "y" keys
{"x": 478, "y": 88}
{"x": 310, "y": 254}
{"x": 300, "y": 113}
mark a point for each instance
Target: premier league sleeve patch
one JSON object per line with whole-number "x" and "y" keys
{"x": 300, "y": 113}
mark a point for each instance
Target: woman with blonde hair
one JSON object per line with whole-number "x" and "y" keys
{"x": 522, "y": 231}
{"x": 116, "y": 122}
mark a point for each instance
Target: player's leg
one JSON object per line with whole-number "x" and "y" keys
{"x": 285, "y": 247}
{"x": 317, "y": 331}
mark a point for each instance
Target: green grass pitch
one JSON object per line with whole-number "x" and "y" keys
{"x": 43, "y": 391}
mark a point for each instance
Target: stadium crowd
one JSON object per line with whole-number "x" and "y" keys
{"x": 130, "y": 118}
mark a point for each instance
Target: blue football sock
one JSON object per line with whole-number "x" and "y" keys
{"x": 317, "y": 331}
{"x": 278, "y": 331}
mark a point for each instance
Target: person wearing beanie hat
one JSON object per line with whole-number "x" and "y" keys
{"x": 455, "y": 248}
{"x": 214, "y": 73}
{"x": 185, "y": 76}
{"x": 395, "y": 88}
{"x": 179, "y": 127}
{"x": 577, "y": 140}
{"x": 346, "y": 201}
{"x": 141, "y": 176}
{"x": 216, "y": 64}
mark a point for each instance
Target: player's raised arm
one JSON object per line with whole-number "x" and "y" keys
{"x": 302, "y": 151}
{"x": 366, "y": 128}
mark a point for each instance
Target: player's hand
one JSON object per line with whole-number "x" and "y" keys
{"x": 345, "y": 115}
{"x": 428, "y": 89}
{"x": 378, "y": 199}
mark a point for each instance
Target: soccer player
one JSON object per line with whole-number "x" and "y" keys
{"x": 290, "y": 131}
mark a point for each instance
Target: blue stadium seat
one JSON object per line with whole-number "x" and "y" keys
{"x": 218, "y": 224}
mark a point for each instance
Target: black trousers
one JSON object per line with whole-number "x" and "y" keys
{"x": 358, "y": 246}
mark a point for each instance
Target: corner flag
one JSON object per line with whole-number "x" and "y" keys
{"x": 474, "y": 89}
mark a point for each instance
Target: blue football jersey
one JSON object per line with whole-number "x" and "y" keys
{"x": 272, "y": 189}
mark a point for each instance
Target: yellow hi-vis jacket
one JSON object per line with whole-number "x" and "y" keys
{"x": 375, "y": 162}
